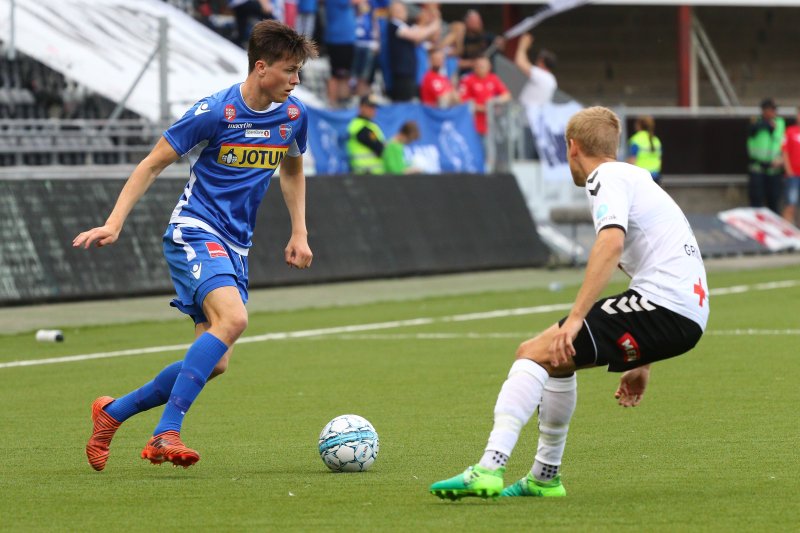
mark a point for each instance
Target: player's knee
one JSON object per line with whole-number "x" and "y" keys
{"x": 235, "y": 324}
{"x": 532, "y": 349}
{"x": 523, "y": 350}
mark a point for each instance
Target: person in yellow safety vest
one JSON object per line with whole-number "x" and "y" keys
{"x": 365, "y": 141}
{"x": 644, "y": 148}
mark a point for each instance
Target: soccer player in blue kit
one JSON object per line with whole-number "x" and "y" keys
{"x": 235, "y": 139}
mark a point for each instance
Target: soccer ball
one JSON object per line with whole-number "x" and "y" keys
{"x": 348, "y": 443}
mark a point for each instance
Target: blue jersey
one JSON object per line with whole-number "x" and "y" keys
{"x": 364, "y": 35}
{"x": 307, "y": 6}
{"x": 340, "y": 22}
{"x": 233, "y": 152}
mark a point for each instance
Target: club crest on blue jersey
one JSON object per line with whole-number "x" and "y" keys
{"x": 251, "y": 155}
{"x": 230, "y": 112}
{"x": 285, "y": 130}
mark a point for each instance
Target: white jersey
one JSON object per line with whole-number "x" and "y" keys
{"x": 661, "y": 254}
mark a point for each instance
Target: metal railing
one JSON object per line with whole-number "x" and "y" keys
{"x": 74, "y": 142}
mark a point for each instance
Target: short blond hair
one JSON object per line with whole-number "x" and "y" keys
{"x": 596, "y": 130}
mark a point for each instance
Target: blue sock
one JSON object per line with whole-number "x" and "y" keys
{"x": 147, "y": 396}
{"x": 200, "y": 360}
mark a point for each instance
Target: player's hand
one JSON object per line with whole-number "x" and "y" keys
{"x": 561, "y": 348}
{"x": 298, "y": 253}
{"x": 632, "y": 385}
{"x": 525, "y": 40}
{"x": 102, "y": 236}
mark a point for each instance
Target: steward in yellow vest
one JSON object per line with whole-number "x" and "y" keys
{"x": 365, "y": 141}
{"x": 644, "y": 148}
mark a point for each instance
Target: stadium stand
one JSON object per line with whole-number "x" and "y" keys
{"x": 46, "y": 119}
{"x": 758, "y": 48}
{"x": 631, "y": 62}
{"x": 31, "y": 90}
{"x": 632, "y": 59}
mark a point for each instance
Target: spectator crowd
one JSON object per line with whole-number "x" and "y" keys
{"x": 400, "y": 51}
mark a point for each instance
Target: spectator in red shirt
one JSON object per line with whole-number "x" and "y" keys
{"x": 436, "y": 89}
{"x": 791, "y": 162}
{"x": 480, "y": 87}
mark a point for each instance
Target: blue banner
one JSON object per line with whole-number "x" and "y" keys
{"x": 448, "y": 141}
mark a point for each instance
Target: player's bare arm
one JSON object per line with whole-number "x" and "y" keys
{"x": 293, "y": 186}
{"x": 603, "y": 260}
{"x": 145, "y": 173}
{"x": 632, "y": 385}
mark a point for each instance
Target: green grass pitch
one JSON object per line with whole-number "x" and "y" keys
{"x": 713, "y": 447}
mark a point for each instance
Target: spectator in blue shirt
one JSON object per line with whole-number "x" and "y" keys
{"x": 366, "y": 48}
{"x": 306, "y": 17}
{"x": 340, "y": 37}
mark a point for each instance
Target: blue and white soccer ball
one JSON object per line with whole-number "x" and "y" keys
{"x": 348, "y": 443}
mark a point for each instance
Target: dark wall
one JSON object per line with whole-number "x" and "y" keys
{"x": 359, "y": 227}
{"x": 710, "y": 145}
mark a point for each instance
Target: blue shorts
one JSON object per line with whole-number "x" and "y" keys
{"x": 200, "y": 262}
{"x": 792, "y": 190}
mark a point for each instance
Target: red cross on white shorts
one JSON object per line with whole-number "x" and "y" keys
{"x": 698, "y": 290}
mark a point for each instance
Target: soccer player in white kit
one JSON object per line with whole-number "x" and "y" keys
{"x": 664, "y": 312}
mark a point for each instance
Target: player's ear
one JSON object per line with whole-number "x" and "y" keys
{"x": 572, "y": 147}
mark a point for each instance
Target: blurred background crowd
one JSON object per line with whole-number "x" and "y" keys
{"x": 445, "y": 55}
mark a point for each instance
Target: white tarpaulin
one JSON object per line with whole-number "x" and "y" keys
{"x": 103, "y": 45}
{"x": 548, "y": 123}
{"x": 764, "y": 226}
{"x": 548, "y": 184}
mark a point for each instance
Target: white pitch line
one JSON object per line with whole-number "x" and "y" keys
{"x": 738, "y": 289}
{"x": 501, "y": 313}
{"x": 524, "y": 335}
{"x": 284, "y": 335}
{"x": 426, "y": 336}
{"x": 734, "y": 332}
{"x": 98, "y": 355}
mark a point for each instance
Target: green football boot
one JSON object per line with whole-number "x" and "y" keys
{"x": 474, "y": 481}
{"x": 530, "y": 486}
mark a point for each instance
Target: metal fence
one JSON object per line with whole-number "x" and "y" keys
{"x": 38, "y": 142}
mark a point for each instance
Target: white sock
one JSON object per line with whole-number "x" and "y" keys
{"x": 493, "y": 459}
{"x": 518, "y": 399}
{"x": 558, "y": 403}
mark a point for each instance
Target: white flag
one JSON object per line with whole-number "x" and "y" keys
{"x": 553, "y": 8}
